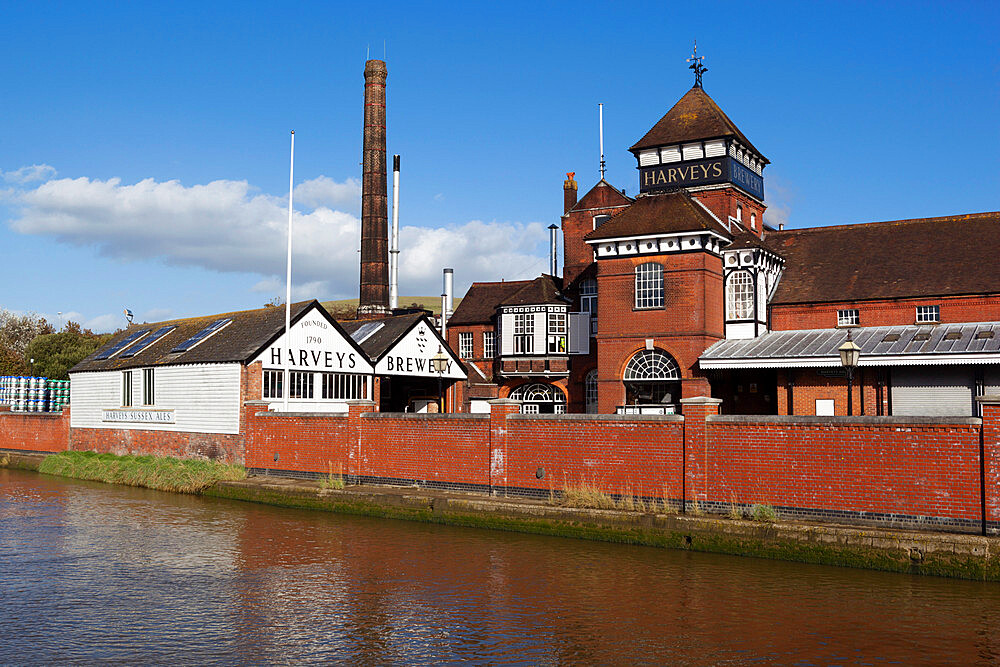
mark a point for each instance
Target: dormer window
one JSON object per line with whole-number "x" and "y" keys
{"x": 600, "y": 220}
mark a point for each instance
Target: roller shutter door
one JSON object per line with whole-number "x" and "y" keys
{"x": 932, "y": 391}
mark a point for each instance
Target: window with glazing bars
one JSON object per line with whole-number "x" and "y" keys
{"x": 300, "y": 384}
{"x": 928, "y": 313}
{"x": 524, "y": 333}
{"x": 344, "y": 386}
{"x": 148, "y": 387}
{"x": 272, "y": 384}
{"x": 649, "y": 285}
{"x": 557, "y": 333}
{"x": 465, "y": 344}
{"x": 588, "y": 302}
{"x": 127, "y": 389}
{"x": 488, "y": 344}
{"x": 850, "y": 317}
{"x": 739, "y": 296}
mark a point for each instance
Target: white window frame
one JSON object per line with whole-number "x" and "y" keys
{"x": 272, "y": 384}
{"x": 465, "y": 345}
{"x": 590, "y": 392}
{"x": 126, "y": 389}
{"x": 524, "y": 333}
{"x": 928, "y": 314}
{"x": 739, "y": 296}
{"x": 342, "y": 386}
{"x": 557, "y": 332}
{"x": 601, "y": 219}
{"x": 649, "y": 286}
{"x": 148, "y": 387}
{"x": 301, "y": 385}
{"x": 489, "y": 344}
{"x": 848, "y": 317}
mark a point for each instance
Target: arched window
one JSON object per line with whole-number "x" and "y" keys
{"x": 652, "y": 377}
{"x": 590, "y": 392}
{"x": 753, "y": 221}
{"x": 739, "y": 296}
{"x": 649, "y": 285}
{"x": 739, "y": 212}
{"x": 652, "y": 365}
{"x": 540, "y": 398}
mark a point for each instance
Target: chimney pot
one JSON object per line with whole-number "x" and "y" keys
{"x": 569, "y": 192}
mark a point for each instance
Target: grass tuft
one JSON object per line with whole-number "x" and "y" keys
{"x": 152, "y": 472}
{"x": 333, "y": 480}
{"x": 764, "y": 513}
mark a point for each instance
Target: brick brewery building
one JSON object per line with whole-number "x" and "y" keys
{"x": 683, "y": 291}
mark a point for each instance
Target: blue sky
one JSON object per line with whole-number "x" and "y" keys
{"x": 144, "y": 146}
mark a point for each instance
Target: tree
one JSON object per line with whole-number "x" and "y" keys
{"x": 56, "y": 353}
{"x": 16, "y": 332}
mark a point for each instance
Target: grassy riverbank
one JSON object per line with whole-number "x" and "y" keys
{"x": 152, "y": 472}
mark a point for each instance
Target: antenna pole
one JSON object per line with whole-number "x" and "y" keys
{"x": 288, "y": 280}
{"x": 600, "y": 113}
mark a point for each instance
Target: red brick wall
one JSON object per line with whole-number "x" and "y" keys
{"x": 226, "y": 448}
{"x": 34, "y": 431}
{"x": 430, "y": 448}
{"x": 991, "y": 458}
{"x": 303, "y": 442}
{"x": 886, "y": 312}
{"x": 723, "y": 202}
{"x": 881, "y": 465}
{"x": 808, "y": 386}
{"x": 639, "y": 456}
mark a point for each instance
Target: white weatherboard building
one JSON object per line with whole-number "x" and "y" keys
{"x": 194, "y": 375}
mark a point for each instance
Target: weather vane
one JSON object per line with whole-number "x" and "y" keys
{"x": 696, "y": 65}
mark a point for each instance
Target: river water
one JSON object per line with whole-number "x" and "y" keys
{"x": 98, "y": 574}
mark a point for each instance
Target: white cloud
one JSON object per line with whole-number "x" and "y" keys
{"x": 229, "y": 226}
{"x": 324, "y": 191}
{"x": 779, "y": 202}
{"x": 105, "y": 323}
{"x": 36, "y": 172}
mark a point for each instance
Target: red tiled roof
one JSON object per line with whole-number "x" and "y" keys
{"x": 696, "y": 116}
{"x": 480, "y": 303}
{"x": 944, "y": 256}
{"x": 602, "y": 195}
{"x": 668, "y": 213}
{"x": 543, "y": 289}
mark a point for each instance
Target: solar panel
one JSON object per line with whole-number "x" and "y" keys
{"x": 146, "y": 342}
{"x": 366, "y": 331}
{"x": 113, "y": 349}
{"x": 202, "y": 335}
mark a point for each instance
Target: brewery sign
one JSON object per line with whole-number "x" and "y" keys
{"x": 710, "y": 171}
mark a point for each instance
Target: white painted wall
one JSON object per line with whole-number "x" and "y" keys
{"x": 204, "y": 398}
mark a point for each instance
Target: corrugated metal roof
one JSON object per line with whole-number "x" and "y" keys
{"x": 970, "y": 342}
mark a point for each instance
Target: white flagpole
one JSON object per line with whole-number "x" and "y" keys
{"x": 288, "y": 280}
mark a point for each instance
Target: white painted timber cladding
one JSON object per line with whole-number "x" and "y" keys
{"x": 205, "y": 398}
{"x": 541, "y": 328}
{"x": 507, "y": 334}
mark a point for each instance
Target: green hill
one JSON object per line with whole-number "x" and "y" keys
{"x": 345, "y": 308}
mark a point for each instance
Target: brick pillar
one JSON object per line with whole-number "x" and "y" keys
{"x": 991, "y": 458}
{"x": 254, "y": 451}
{"x": 356, "y": 434}
{"x": 500, "y": 408}
{"x": 696, "y": 411}
{"x": 68, "y": 428}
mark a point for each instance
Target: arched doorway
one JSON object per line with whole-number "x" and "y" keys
{"x": 540, "y": 398}
{"x": 652, "y": 383}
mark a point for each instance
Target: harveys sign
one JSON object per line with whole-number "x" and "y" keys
{"x": 412, "y": 356}
{"x": 710, "y": 171}
{"x": 316, "y": 345}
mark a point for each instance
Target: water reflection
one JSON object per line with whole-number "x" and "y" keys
{"x": 96, "y": 573}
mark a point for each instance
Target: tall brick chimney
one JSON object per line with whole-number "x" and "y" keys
{"x": 569, "y": 192}
{"x": 374, "y": 296}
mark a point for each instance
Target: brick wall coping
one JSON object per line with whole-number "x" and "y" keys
{"x": 701, "y": 400}
{"x": 992, "y": 399}
{"x": 503, "y": 401}
{"x": 40, "y": 415}
{"x": 334, "y": 415}
{"x": 446, "y": 416}
{"x": 602, "y": 418}
{"x": 845, "y": 421}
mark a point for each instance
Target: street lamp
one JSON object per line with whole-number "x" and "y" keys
{"x": 439, "y": 364}
{"x": 849, "y": 354}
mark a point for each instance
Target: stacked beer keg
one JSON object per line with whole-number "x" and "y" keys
{"x": 33, "y": 394}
